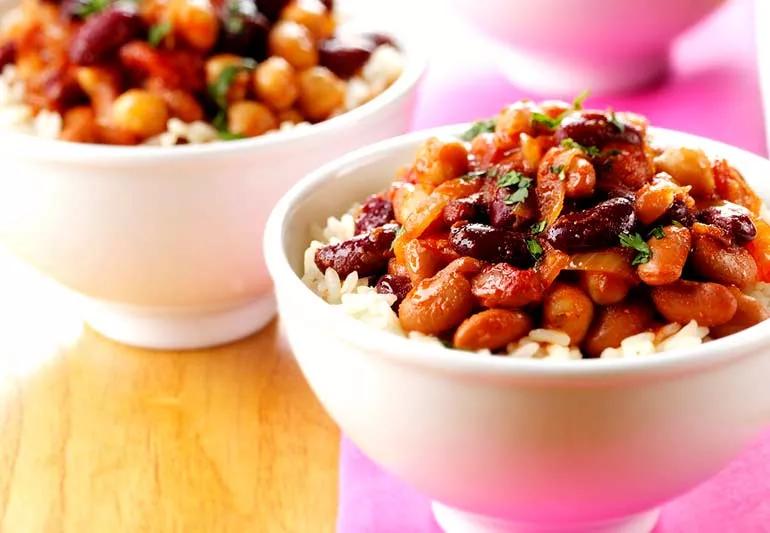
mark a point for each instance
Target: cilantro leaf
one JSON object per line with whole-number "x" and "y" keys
{"x": 221, "y": 86}
{"x": 635, "y": 242}
{"x": 91, "y": 7}
{"x": 537, "y": 227}
{"x": 482, "y": 126}
{"x": 548, "y": 122}
{"x": 509, "y": 179}
{"x": 158, "y": 32}
{"x": 577, "y": 103}
{"x": 657, "y": 232}
{"x": 517, "y": 196}
{"x": 535, "y": 250}
{"x": 591, "y": 151}
{"x": 616, "y": 122}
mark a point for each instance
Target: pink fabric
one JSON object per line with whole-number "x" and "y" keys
{"x": 712, "y": 91}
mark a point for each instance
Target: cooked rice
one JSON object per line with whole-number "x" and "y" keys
{"x": 356, "y": 298}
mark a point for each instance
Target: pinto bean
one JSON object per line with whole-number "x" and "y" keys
{"x": 421, "y": 261}
{"x": 467, "y": 266}
{"x": 103, "y": 34}
{"x": 437, "y": 304}
{"x": 709, "y": 304}
{"x": 491, "y": 329}
{"x": 748, "y": 313}
{"x": 568, "y": 309}
{"x": 614, "y": 323}
{"x": 688, "y": 167}
{"x": 733, "y": 219}
{"x": 669, "y": 254}
{"x": 603, "y": 288}
{"x": 724, "y": 263}
{"x": 597, "y": 227}
{"x": 367, "y": 253}
{"x": 491, "y": 244}
{"x": 503, "y": 285}
{"x": 376, "y": 211}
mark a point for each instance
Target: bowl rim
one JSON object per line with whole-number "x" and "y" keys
{"x": 416, "y": 62}
{"x": 389, "y": 345}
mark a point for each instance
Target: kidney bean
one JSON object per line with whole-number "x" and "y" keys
{"x": 596, "y": 227}
{"x": 668, "y": 256}
{"x": 376, "y": 211}
{"x": 568, "y": 309}
{"x": 733, "y": 219}
{"x": 463, "y": 210}
{"x": 491, "y": 329}
{"x": 346, "y": 56}
{"x": 58, "y": 88}
{"x": 102, "y": 34}
{"x": 7, "y": 54}
{"x": 678, "y": 212}
{"x": 437, "y": 304}
{"x": 503, "y": 285}
{"x": 271, "y": 8}
{"x": 722, "y": 262}
{"x": 595, "y": 129}
{"x": 503, "y": 215}
{"x": 614, "y": 323}
{"x": 243, "y": 29}
{"x": 396, "y": 285}
{"x": 603, "y": 288}
{"x": 496, "y": 245}
{"x": 366, "y": 254}
{"x": 709, "y": 304}
{"x": 748, "y": 313}
{"x": 688, "y": 167}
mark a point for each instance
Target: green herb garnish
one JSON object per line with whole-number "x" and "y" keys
{"x": 591, "y": 151}
{"x": 518, "y": 196}
{"x": 226, "y": 135}
{"x": 221, "y": 86}
{"x": 577, "y": 103}
{"x": 635, "y": 242}
{"x": 482, "y": 126}
{"x": 91, "y": 7}
{"x": 657, "y": 232}
{"x": 537, "y": 227}
{"x": 548, "y": 122}
{"x": 618, "y": 124}
{"x": 509, "y": 179}
{"x": 535, "y": 250}
{"x": 158, "y": 32}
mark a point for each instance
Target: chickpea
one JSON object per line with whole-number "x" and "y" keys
{"x": 604, "y": 289}
{"x": 668, "y": 256}
{"x": 182, "y": 105}
{"x": 407, "y": 197}
{"x": 614, "y": 323}
{"x": 439, "y": 161}
{"x": 749, "y": 312}
{"x": 250, "y": 119}
{"x": 437, "y": 304}
{"x": 214, "y": 67}
{"x": 80, "y": 125}
{"x": 195, "y": 21}
{"x": 294, "y": 43}
{"x": 580, "y": 178}
{"x": 140, "y": 112}
{"x": 311, "y": 14}
{"x": 688, "y": 167}
{"x": 320, "y": 93}
{"x": 491, "y": 329}
{"x": 275, "y": 83}
{"x": 728, "y": 264}
{"x": 515, "y": 119}
{"x": 290, "y": 115}
{"x": 568, "y": 309}
{"x": 709, "y": 304}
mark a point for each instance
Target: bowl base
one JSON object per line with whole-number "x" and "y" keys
{"x": 162, "y": 329}
{"x": 567, "y": 78}
{"x": 455, "y": 521}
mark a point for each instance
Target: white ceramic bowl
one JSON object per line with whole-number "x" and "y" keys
{"x": 166, "y": 243}
{"x": 564, "y": 46}
{"x": 505, "y": 444}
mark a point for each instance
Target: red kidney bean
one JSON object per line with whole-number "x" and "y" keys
{"x": 61, "y": 90}
{"x": 366, "y": 254}
{"x": 396, "y": 285}
{"x": 595, "y": 129}
{"x": 503, "y": 215}
{"x": 596, "y": 227}
{"x": 243, "y": 30}
{"x": 376, "y": 211}
{"x": 7, "y": 54}
{"x": 496, "y": 245}
{"x": 678, "y": 212}
{"x": 103, "y": 34}
{"x": 271, "y": 8}
{"x": 733, "y": 219}
{"x": 468, "y": 209}
{"x": 503, "y": 285}
{"x": 346, "y": 56}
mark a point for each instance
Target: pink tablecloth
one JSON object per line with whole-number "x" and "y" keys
{"x": 712, "y": 91}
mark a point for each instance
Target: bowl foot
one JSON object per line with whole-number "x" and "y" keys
{"x": 455, "y": 521}
{"x": 567, "y": 78}
{"x": 168, "y": 329}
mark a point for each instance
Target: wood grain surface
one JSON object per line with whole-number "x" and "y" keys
{"x": 100, "y": 437}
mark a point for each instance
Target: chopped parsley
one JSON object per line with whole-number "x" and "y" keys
{"x": 577, "y": 103}
{"x": 221, "y": 86}
{"x": 158, "y": 32}
{"x": 227, "y": 135}
{"x": 517, "y": 197}
{"x": 482, "y": 126}
{"x": 548, "y": 122}
{"x": 657, "y": 232}
{"x": 635, "y": 242}
{"x": 537, "y": 227}
{"x": 535, "y": 250}
{"x": 591, "y": 151}
{"x": 509, "y": 179}
{"x": 91, "y": 7}
{"x": 616, "y": 122}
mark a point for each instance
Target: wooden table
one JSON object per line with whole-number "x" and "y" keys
{"x": 100, "y": 437}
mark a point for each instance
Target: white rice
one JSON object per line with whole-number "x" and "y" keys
{"x": 355, "y": 298}
{"x": 383, "y": 68}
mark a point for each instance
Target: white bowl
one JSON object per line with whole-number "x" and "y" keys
{"x": 166, "y": 243}
{"x": 564, "y": 46}
{"x": 504, "y": 444}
